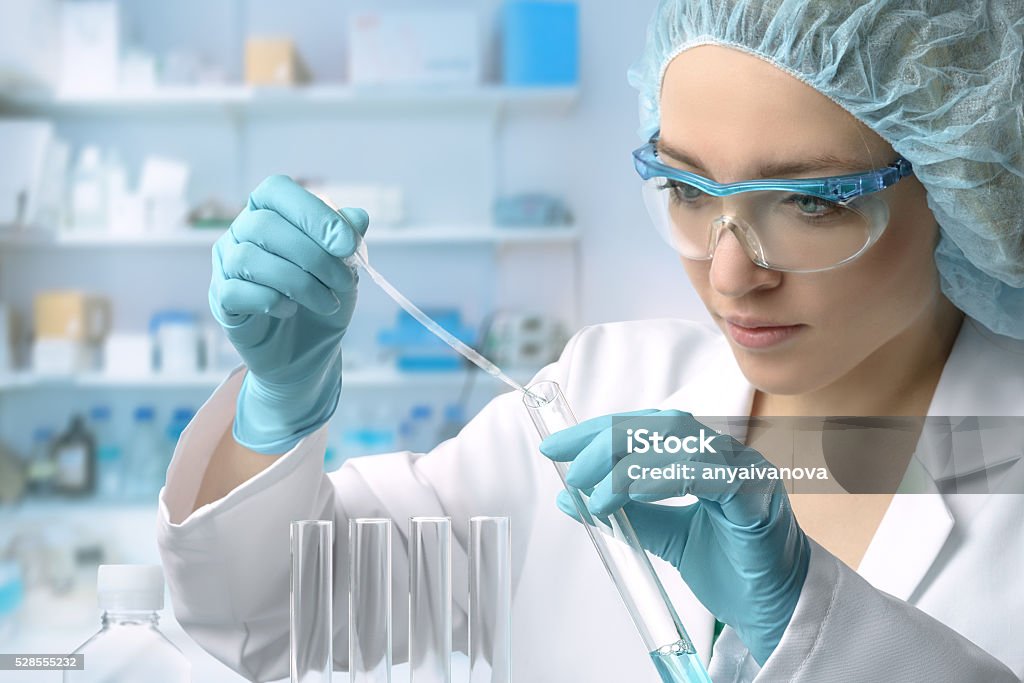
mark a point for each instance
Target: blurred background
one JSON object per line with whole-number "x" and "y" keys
{"x": 489, "y": 141}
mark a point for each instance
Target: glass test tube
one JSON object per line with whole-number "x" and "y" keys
{"x": 369, "y": 593}
{"x": 430, "y": 599}
{"x": 627, "y": 563}
{"x": 490, "y": 600}
{"x": 311, "y": 601}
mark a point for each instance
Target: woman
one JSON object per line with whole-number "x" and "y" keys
{"x": 902, "y": 300}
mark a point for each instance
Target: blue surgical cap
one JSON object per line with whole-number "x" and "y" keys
{"x": 940, "y": 80}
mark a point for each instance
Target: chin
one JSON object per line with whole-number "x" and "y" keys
{"x": 788, "y": 376}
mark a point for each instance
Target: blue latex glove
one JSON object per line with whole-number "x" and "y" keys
{"x": 739, "y": 547}
{"x": 284, "y": 298}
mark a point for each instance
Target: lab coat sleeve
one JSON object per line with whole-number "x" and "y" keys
{"x": 844, "y": 630}
{"x": 227, "y": 563}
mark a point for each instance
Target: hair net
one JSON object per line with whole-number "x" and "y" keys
{"x": 940, "y": 80}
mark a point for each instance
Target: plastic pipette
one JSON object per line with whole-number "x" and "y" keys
{"x": 360, "y": 258}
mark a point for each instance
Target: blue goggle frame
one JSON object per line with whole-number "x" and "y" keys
{"x": 839, "y": 189}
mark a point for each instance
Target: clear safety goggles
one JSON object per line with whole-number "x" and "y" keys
{"x": 799, "y": 226}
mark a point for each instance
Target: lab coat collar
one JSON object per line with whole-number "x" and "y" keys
{"x": 976, "y": 381}
{"x": 916, "y": 526}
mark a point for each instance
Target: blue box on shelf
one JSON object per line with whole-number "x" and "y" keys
{"x": 417, "y": 350}
{"x": 541, "y": 43}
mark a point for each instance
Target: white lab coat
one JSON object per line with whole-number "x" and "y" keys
{"x": 939, "y": 595}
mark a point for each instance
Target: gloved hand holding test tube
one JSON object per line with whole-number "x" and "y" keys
{"x": 624, "y": 558}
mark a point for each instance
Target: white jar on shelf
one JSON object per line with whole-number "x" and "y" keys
{"x": 176, "y": 338}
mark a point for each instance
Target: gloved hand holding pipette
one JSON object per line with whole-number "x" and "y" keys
{"x": 739, "y": 548}
{"x": 285, "y": 298}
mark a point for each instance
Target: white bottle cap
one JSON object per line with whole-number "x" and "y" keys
{"x": 130, "y": 587}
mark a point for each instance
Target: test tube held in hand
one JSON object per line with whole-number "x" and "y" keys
{"x": 369, "y": 593}
{"x": 311, "y": 601}
{"x": 490, "y": 600}
{"x": 668, "y": 644}
{"x": 430, "y": 599}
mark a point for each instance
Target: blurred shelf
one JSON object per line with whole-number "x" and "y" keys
{"x": 204, "y": 237}
{"x": 471, "y": 235}
{"x": 30, "y": 506}
{"x": 370, "y": 378}
{"x": 310, "y": 99}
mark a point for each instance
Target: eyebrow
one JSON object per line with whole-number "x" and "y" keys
{"x": 772, "y": 169}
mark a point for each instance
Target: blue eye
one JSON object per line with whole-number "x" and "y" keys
{"x": 811, "y": 206}
{"x": 681, "y": 192}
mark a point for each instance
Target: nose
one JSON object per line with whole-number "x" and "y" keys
{"x": 732, "y": 272}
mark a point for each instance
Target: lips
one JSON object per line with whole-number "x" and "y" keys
{"x": 753, "y": 333}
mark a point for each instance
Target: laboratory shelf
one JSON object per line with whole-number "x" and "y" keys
{"x": 293, "y": 100}
{"x": 423, "y": 235}
{"x": 30, "y": 507}
{"x": 367, "y": 378}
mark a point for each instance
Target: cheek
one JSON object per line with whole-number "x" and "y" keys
{"x": 893, "y": 282}
{"x": 901, "y": 266}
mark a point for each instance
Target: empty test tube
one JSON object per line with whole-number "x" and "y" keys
{"x": 430, "y": 599}
{"x": 369, "y": 593}
{"x": 490, "y": 600}
{"x": 311, "y": 602}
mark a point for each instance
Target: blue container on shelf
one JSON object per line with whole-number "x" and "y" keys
{"x": 417, "y": 350}
{"x": 540, "y": 43}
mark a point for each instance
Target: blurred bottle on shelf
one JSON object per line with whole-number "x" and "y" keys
{"x": 422, "y": 430}
{"x": 12, "y": 593}
{"x": 454, "y": 421}
{"x": 366, "y": 431}
{"x": 219, "y": 355}
{"x": 145, "y": 462}
{"x": 40, "y": 465}
{"x": 176, "y": 341}
{"x": 179, "y": 421}
{"x": 406, "y": 435}
{"x": 101, "y": 200}
{"x": 332, "y": 454}
{"x": 163, "y": 189}
{"x": 74, "y": 459}
{"x": 129, "y": 646}
{"x": 12, "y": 476}
{"x": 125, "y": 208}
{"x": 89, "y": 191}
{"x": 109, "y": 460}
{"x": 6, "y": 339}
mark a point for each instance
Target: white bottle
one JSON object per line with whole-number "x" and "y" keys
{"x": 89, "y": 191}
{"x": 129, "y": 647}
{"x": 145, "y": 458}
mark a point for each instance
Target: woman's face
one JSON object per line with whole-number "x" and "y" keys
{"x": 735, "y": 113}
